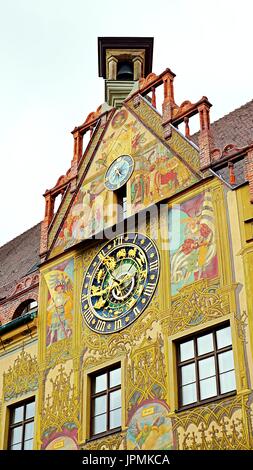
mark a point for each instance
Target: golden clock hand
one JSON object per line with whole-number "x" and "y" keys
{"x": 105, "y": 259}
{"x": 108, "y": 288}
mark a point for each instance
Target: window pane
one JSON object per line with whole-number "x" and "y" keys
{"x": 227, "y": 382}
{"x": 28, "y": 445}
{"x": 206, "y": 368}
{"x": 99, "y": 424}
{"x": 186, "y": 350}
{"x": 16, "y": 446}
{"x": 226, "y": 361}
{"x": 188, "y": 374}
{"x": 115, "y": 377}
{"x": 16, "y": 435}
{"x": 115, "y": 418}
{"x": 17, "y": 414}
{"x": 100, "y": 405}
{"x": 224, "y": 337}
{"x": 115, "y": 399}
{"x": 100, "y": 383}
{"x": 205, "y": 344}
{"x": 189, "y": 394}
{"x": 208, "y": 388}
{"x": 30, "y": 410}
{"x": 29, "y": 430}
{"x": 32, "y": 305}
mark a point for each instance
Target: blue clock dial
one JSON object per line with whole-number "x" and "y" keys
{"x": 119, "y": 172}
{"x": 120, "y": 283}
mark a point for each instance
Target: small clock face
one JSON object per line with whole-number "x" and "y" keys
{"x": 120, "y": 283}
{"x": 119, "y": 172}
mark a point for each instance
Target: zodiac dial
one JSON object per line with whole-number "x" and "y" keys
{"x": 120, "y": 282}
{"x": 119, "y": 172}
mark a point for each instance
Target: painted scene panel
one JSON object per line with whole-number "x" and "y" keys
{"x": 150, "y": 428}
{"x": 193, "y": 253}
{"x": 86, "y": 215}
{"x": 60, "y": 302}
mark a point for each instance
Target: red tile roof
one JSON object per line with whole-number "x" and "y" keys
{"x": 233, "y": 128}
{"x": 18, "y": 257}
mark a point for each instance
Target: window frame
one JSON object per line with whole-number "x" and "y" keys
{"x": 22, "y": 423}
{"x": 107, "y": 392}
{"x": 196, "y": 359}
{"x": 122, "y": 203}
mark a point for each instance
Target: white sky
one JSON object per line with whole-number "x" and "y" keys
{"x": 49, "y": 78}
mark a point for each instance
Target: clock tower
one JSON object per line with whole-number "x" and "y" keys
{"x": 122, "y": 62}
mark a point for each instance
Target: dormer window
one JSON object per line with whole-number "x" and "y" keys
{"x": 25, "y": 307}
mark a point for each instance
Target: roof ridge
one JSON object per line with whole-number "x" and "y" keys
{"x": 20, "y": 235}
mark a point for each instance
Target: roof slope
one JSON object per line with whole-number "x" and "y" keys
{"x": 18, "y": 257}
{"x": 233, "y": 128}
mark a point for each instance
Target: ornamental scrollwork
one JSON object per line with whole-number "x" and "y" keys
{"x": 58, "y": 352}
{"x": 146, "y": 373}
{"x": 62, "y": 406}
{"x": 98, "y": 346}
{"x": 197, "y": 303}
{"x": 222, "y": 426}
{"x": 22, "y": 377}
{"x": 115, "y": 442}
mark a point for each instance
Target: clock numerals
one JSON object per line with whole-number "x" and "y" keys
{"x": 149, "y": 289}
{"x": 148, "y": 247}
{"x": 118, "y": 241}
{"x": 84, "y": 297}
{"x": 120, "y": 283}
{"x": 154, "y": 266}
{"x": 89, "y": 316}
{"x": 136, "y": 311}
{"x": 118, "y": 324}
{"x": 100, "y": 325}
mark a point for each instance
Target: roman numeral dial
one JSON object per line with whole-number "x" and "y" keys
{"x": 119, "y": 283}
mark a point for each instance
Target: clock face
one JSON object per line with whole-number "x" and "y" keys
{"x": 119, "y": 172}
{"x": 120, "y": 283}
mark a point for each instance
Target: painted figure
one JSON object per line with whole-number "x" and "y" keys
{"x": 150, "y": 428}
{"x": 60, "y": 303}
{"x": 193, "y": 254}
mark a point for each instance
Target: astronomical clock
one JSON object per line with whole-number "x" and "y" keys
{"x": 120, "y": 282}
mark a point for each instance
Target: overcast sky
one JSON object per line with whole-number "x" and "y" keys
{"x": 49, "y": 78}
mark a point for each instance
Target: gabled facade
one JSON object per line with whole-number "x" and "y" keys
{"x": 144, "y": 331}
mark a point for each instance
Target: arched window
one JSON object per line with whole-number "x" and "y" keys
{"x": 25, "y": 307}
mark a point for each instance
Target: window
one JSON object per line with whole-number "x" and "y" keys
{"x": 22, "y": 426}
{"x": 206, "y": 367}
{"x": 106, "y": 401}
{"x": 122, "y": 203}
{"x": 26, "y": 307}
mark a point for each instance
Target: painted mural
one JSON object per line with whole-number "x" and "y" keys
{"x": 60, "y": 302}
{"x": 64, "y": 440}
{"x": 86, "y": 215}
{"x": 150, "y": 428}
{"x": 193, "y": 253}
{"x": 158, "y": 173}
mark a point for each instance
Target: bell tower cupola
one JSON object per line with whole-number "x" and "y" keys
{"x": 122, "y": 62}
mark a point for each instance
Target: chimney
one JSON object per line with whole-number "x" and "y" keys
{"x": 205, "y": 136}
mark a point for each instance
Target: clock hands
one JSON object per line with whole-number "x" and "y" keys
{"x": 112, "y": 286}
